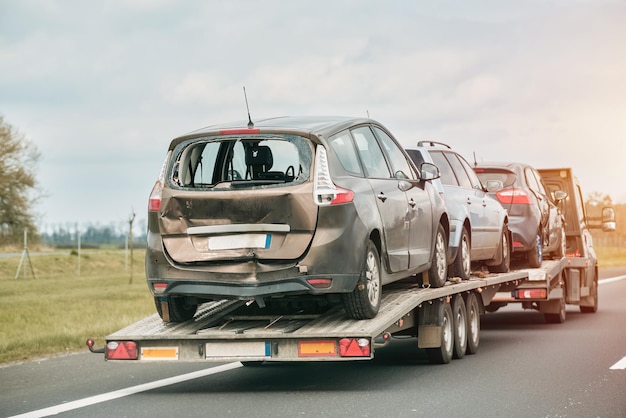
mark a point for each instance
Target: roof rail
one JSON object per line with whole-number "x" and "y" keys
{"x": 432, "y": 144}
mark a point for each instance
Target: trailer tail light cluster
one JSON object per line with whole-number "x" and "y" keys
{"x": 345, "y": 347}
{"x": 531, "y": 294}
{"x": 121, "y": 350}
{"x": 354, "y": 347}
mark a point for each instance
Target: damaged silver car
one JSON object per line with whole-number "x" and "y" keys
{"x": 291, "y": 210}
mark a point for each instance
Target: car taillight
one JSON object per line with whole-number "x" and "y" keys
{"x": 154, "y": 201}
{"x": 514, "y": 197}
{"x": 325, "y": 193}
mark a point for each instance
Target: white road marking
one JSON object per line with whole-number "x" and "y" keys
{"x": 620, "y": 365}
{"x": 611, "y": 279}
{"x": 80, "y": 403}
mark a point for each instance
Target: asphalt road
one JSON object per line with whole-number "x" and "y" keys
{"x": 524, "y": 368}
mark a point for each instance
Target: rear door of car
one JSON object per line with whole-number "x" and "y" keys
{"x": 238, "y": 197}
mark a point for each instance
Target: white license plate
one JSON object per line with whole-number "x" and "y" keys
{"x": 238, "y": 241}
{"x": 237, "y": 349}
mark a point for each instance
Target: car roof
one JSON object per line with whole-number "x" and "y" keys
{"x": 321, "y": 126}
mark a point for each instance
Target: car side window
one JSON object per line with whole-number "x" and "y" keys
{"x": 531, "y": 180}
{"x": 343, "y": 148}
{"x": 474, "y": 180}
{"x": 459, "y": 171}
{"x": 370, "y": 153}
{"x": 399, "y": 163}
{"x": 445, "y": 170}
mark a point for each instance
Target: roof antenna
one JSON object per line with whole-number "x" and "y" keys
{"x": 475, "y": 162}
{"x": 250, "y": 124}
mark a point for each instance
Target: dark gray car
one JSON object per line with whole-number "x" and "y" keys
{"x": 288, "y": 208}
{"x": 536, "y": 223}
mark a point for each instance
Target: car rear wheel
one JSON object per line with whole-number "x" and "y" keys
{"x": 178, "y": 309}
{"x": 504, "y": 253}
{"x": 462, "y": 266}
{"x": 364, "y": 301}
{"x": 438, "y": 273}
{"x": 535, "y": 256}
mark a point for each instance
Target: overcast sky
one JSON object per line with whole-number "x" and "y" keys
{"x": 102, "y": 87}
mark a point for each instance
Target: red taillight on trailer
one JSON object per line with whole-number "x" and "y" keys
{"x": 121, "y": 350}
{"x": 154, "y": 201}
{"x": 354, "y": 347}
{"x": 514, "y": 197}
{"x": 531, "y": 294}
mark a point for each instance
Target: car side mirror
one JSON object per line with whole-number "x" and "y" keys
{"x": 559, "y": 195}
{"x": 608, "y": 219}
{"x": 429, "y": 171}
{"x": 494, "y": 185}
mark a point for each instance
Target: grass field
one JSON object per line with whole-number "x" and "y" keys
{"x": 58, "y": 310}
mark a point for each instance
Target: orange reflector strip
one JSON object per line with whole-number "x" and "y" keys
{"x": 159, "y": 353}
{"x": 317, "y": 348}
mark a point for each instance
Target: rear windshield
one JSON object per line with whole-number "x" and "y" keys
{"x": 506, "y": 177}
{"x": 228, "y": 162}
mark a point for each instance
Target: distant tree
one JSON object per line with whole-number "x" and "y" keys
{"x": 18, "y": 185}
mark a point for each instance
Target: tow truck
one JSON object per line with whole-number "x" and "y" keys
{"x": 445, "y": 320}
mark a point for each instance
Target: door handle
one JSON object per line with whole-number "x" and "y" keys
{"x": 412, "y": 203}
{"x": 382, "y": 196}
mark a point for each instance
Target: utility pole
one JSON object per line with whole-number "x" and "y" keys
{"x": 130, "y": 239}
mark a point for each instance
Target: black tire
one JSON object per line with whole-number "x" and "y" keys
{"x": 535, "y": 256}
{"x": 459, "y": 313}
{"x": 594, "y": 299}
{"x": 438, "y": 273}
{"x": 473, "y": 323}
{"x": 180, "y": 310}
{"x": 462, "y": 265}
{"x": 562, "y": 248}
{"x": 557, "y": 318}
{"x": 443, "y": 354}
{"x": 364, "y": 301}
{"x": 504, "y": 249}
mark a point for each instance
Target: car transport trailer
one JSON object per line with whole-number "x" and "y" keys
{"x": 446, "y": 322}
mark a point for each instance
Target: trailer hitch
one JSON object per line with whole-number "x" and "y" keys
{"x": 90, "y": 343}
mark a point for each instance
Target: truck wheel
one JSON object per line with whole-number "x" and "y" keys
{"x": 460, "y": 326}
{"x": 443, "y": 354}
{"x": 462, "y": 266}
{"x": 473, "y": 323}
{"x": 364, "y": 301}
{"x": 179, "y": 310}
{"x": 438, "y": 273}
{"x": 594, "y": 307}
{"x": 535, "y": 256}
{"x": 504, "y": 250}
{"x": 557, "y": 318}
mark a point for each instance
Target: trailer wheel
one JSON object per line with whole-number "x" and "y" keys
{"x": 473, "y": 323}
{"x": 364, "y": 301}
{"x": 535, "y": 256}
{"x": 459, "y": 313}
{"x": 179, "y": 310}
{"x": 438, "y": 273}
{"x": 443, "y": 354}
{"x": 462, "y": 266}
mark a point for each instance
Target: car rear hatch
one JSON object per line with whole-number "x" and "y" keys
{"x": 238, "y": 196}
{"x": 500, "y": 182}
